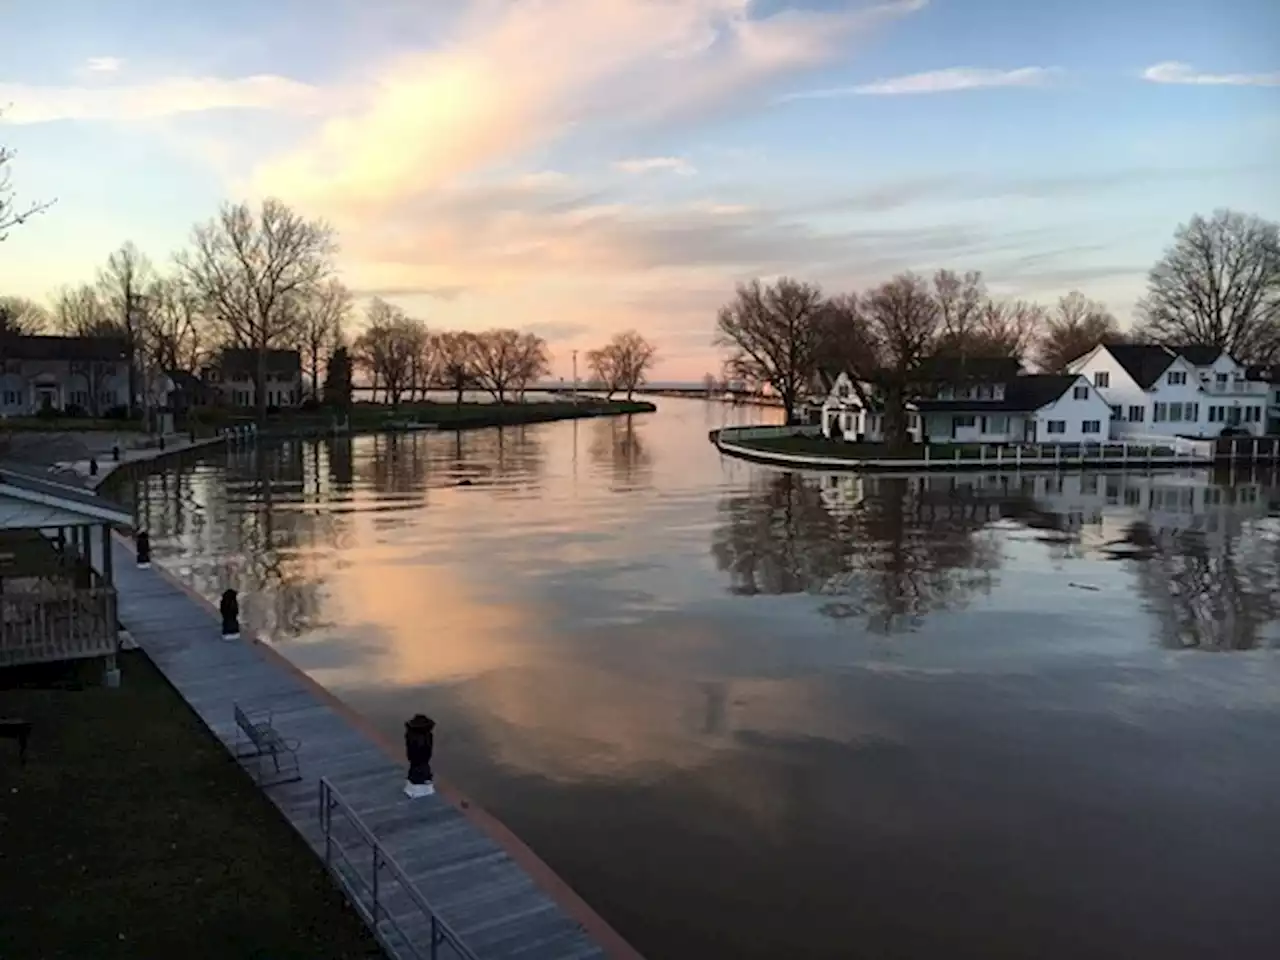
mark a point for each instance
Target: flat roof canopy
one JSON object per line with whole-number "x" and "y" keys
{"x": 32, "y": 500}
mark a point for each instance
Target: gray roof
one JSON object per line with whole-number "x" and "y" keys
{"x": 26, "y": 483}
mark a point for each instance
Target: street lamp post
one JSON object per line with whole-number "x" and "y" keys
{"x": 575, "y": 376}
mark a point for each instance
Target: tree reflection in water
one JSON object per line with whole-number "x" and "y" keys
{"x": 617, "y": 444}
{"x": 890, "y": 549}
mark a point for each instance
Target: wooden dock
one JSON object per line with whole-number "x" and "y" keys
{"x": 472, "y": 882}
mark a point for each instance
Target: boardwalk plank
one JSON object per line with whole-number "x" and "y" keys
{"x": 470, "y": 880}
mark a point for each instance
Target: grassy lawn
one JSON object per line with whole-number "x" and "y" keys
{"x": 69, "y": 424}
{"x": 132, "y": 833}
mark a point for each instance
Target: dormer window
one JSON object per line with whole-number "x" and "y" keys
{"x": 1102, "y": 379}
{"x": 997, "y": 391}
{"x": 1080, "y": 393}
{"x": 1177, "y": 378}
{"x": 946, "y": 393}
{"x": 985, "y": 391}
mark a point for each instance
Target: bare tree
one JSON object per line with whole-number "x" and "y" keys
{"x": 322, "y": 314}
{"x": 126, "y": 282}
{"x": 962, "y": 303}
{"x": 23, "y": 317}
{"x": 1218, "y": 285}
{"x": 534, "y": 362}
{"x": 422, "y": 365}
{"x": 605, "y": 369}
{"x": 1077, "y": 325}
{"x": 775, "y": 336}
{"x": 247, "y": 266}
{"x": 176, "y": 330}
{"x": 503, "y": 360}
{"x": 903, "y": 320}
{"x": 623, "y": 363}
{"x": 1009, "y": 328}
{"x": 455, "y": 362}
{"x": 12, "y": 212}
{"x": 389, "y": 348}
{"x": 80, "y": 312}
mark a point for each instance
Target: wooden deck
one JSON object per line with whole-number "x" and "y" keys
{"x": 471, "y": 881}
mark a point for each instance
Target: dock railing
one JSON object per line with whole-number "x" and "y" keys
{"x": 379, "y": 889}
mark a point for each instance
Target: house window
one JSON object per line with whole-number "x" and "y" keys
{"x": 1191, "y": 412}
{"x": 1177, "y": 378}
{"x": 1137, "y": 414}
{"x": 80, "y": 398}
{"x": 1080, "y": 393}
{"x": 1215, "y": 414}
{"x": 1175, "y": 413}
{"x": 1056, "y": 426}
{"x": 986, "y": 391}
{"x": 1252, "y": 414}
{"x": 996, "y": 424}
{"x": 1222, "y": 379}
{"x": 947, "y": 393}
{"x": 12, "y": 398}
{"x": 1117, "y": 412}
{"x": 960, "y": 422}
{"x": 1102, "y": 379}
{"x": 1160, "y": 413}
{"x": 1091, "y": 426}
{"x": 997, "y": 391}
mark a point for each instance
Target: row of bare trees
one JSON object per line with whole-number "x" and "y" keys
{"x": 404, "y": 359}
{"x": 1218, "y": 285}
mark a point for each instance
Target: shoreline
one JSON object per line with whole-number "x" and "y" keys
{"x": 599, "y": 931}
{"x": 742, "y": 443}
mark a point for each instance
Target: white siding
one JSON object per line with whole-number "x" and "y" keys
{"x": 1073, "y": 414}
{"x": 988, "y": 427}
{"x": 1119, "y": 390}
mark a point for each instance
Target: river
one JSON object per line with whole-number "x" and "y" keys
{"x": 752, "y": 713}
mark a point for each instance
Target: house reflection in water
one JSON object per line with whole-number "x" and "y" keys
{"x": 1203, "y": 548}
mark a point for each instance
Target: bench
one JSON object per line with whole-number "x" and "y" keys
{"x": 257, "y": 739}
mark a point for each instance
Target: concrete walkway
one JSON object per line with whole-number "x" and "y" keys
{"x": 473, "y": 882}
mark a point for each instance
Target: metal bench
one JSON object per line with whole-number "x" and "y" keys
{"x": 257, "y": 739}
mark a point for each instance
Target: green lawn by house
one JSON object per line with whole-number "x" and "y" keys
{"x": 132, "y": 833}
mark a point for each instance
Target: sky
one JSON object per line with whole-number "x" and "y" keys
{"x": 581, "y": 167}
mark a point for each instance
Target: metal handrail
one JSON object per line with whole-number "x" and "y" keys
{"x": 358, "y": 888}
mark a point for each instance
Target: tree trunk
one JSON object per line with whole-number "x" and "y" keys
{"x": 458, "y": 384}
{"x": 260, "y": 386}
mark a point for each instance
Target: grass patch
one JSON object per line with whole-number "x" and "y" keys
{"x": 132, "y": 833}
{"x": 69, "y": 425}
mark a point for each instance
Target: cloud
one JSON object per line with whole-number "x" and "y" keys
{"x": 676, "y": 165}
{"x": 951, "y": 80}
{"x": 1174, "y": 72}
{"x": 163, "y": 98}
{"x": 428, "y": 119}
{"x": 104, "y": 64}
{"x": 447, "y": 293}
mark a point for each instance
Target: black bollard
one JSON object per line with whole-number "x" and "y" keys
{"x": 419, "y": 742}
{"x": 162, "y": 441}
{"x": 93, "y": 467}
{"x": 230, "y": 610}
{"x": 143, "y": 544}
{"x": 115, "y": 452}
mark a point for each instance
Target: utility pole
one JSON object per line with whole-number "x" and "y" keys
{"x": 575, "y": 376}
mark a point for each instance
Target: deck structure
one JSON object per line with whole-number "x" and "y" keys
{"x": 482, "y": 895}
{"x": 53, "y": 604}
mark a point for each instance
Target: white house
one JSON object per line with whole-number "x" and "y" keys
{"x": 1175, "y": 391}
{"x": 233, "y": 378}
{"x": 1011, "y": 408}
{"x": 90, "y": 374}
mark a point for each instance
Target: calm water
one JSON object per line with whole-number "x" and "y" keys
{"x": 753, "y": 713}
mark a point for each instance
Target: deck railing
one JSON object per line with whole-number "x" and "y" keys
{"x": 382, "y": 893}
{"x": 59, "y": 624}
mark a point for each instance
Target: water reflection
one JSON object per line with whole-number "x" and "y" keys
{"x": 618, "y": 446}
{"x": 892, "y": 550}
{"x": 726, "y": 701}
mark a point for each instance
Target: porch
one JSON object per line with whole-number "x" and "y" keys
{"x": 54, "y": 605}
